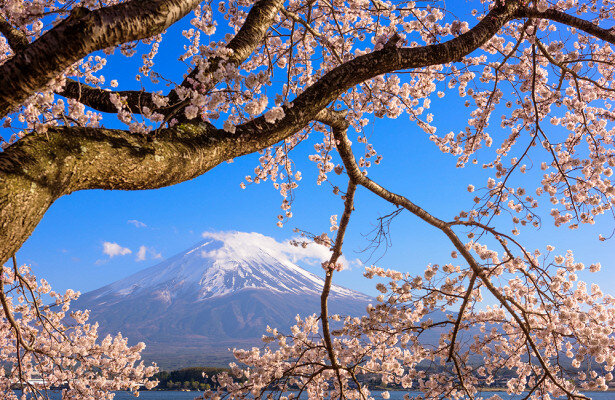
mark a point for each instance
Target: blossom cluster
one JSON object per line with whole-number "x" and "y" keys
{"x": 546, "y": 321}
{"x": 56, "y": 343}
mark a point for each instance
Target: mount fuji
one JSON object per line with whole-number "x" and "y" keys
{"x": 221, "y": 293}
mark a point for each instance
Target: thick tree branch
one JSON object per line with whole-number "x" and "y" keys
{"x": 15, "y": 38}
{"x": 100, "y": 99}
{"x": 249, "y": 37}
{"x": 82, "y": 33}
{"x": 608, "y": 35}
{"x": 38, "y": 169}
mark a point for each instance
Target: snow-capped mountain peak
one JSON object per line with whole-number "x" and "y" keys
{"x": 226, "y": 263}
{"x": 219, "y": 294}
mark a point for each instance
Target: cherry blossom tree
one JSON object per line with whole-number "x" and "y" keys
{"x": 41, "y": 351}
{"x": 286, "y": 71}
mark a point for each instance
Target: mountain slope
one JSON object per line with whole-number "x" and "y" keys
{"x": 221, "y": 293}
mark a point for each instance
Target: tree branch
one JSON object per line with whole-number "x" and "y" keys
{"x": 566, "y": 70}
{"x": 15, "y": 38}
{"x": 462, "y": 309}
{"x": 83, "y": 32}
{"x": 9, "y": 316}
{"x": 337, "y": 252}
{"x": 249, "y": 37}
{"x": 608, "y": 35}
{"x": 99, "y": 99}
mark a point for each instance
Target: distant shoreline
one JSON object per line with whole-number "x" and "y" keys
{"x": 484, "y": 389}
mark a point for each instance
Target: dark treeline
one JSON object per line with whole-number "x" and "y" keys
{"x": 188, "y": 378}
{"x": 192, "y": 378}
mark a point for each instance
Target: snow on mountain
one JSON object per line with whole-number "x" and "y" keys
{"x": 219, "y": 294}
{"x": 227, "y": 263}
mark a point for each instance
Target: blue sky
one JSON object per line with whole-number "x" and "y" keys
{"x": 67, "y": 248}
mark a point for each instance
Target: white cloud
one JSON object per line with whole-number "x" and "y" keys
{"x": 144, "y": 250}
{"x": 114, "y": 249}
{"x": 136, "y": 223}
{"x": 141, "y": 253}
{"x": 312, "y": 254}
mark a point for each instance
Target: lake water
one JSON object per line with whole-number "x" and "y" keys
{"x": 173, "y": 395}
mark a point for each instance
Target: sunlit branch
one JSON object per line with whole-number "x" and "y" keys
{"x": 564, "y": 176}
{"x": 497, "y": 77}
